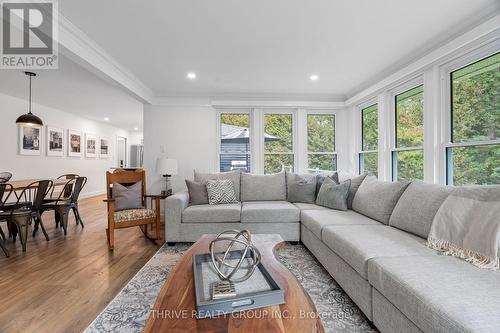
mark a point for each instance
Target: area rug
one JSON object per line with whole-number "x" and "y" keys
{"x": 129, "y": 310}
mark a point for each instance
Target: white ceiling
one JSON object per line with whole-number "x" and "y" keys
{"x": 264, "y": 47}
{"x": 73, "y": 89}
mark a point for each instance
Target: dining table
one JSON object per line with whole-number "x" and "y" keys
{"x": 22, "y": 184}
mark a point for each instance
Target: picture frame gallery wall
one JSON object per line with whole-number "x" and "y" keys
{"x": 60, "y": 142}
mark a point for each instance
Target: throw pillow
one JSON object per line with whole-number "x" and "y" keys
{"x": 320, "y": 178}
{"x": 127, "y": 197}
{"x": 198, "y": 194}
{"x": 333, "y": 195}
{"x": 301, "y": 188}
{"x": 234, "y": 176}
{"x": 355, "y": 183}
{"x": 221, "y": 192}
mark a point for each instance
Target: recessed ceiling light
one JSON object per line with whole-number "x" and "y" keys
{"x": 106, "y": 118}
{"x": 314, "y": 77}
{"x": 136, "y": 129}
{"x": 191, "y": 75}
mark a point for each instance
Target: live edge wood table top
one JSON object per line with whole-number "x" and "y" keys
{"x": 175, "y": 306}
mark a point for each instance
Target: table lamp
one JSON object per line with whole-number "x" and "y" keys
{"x": 166, "y": 167}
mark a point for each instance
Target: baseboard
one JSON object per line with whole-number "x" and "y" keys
{"x": 91, "y": 194}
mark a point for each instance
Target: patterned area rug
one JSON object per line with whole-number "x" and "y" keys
{"x": 129, "y": 310}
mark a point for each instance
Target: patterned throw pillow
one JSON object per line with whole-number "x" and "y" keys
{"x": 221, "y": 192}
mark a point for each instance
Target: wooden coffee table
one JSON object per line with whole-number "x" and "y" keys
{"x": 175, "y": 306}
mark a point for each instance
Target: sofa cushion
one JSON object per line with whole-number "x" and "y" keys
{"x": 234, "y": 176}
{"x": 316, "y": 220}
{"x": 308, "y": 206}
{"x": 357, "y": 244}
{"x": 300, "y": 188}
{"x": 333, "y": 195}
{"x": 355, "y": 183}
{"x": 417, "y": 207}
{"x": 263, "y": 187}
{"x": 198, "y": 194}
{"x": 269, "y": 211}
{"x": 439, "y": 293}
{"x": 212, "y": 213}
{"x": 377, "y": 199}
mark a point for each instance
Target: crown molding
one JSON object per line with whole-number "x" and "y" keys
{"x": 79, "y": 47}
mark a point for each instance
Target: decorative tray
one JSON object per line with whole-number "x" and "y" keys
{"x": 259, "y": 290}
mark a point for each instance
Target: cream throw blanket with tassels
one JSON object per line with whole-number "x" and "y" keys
{"x": 467, "y": 226}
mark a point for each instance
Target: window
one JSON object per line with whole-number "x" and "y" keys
{"x": 235, "y": 142}
{"x": 473, "y": 154}
{"x": 408, "y": 154}
{"x": 278, "y": 143}
{"x": 321, "y": 154}
{"x": 368, "y": 157}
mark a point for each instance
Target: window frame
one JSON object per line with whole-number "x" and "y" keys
{"x": 446, "y": 78}
{"x": 361, "y": 151}
{"x": 334, "y": 152}
{"x": 412, "y": 84}
{"x": 293, "y": 114}
{"x": 248, "y": 112}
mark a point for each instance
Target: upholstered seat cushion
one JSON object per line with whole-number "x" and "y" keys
{"x": 357, "y": 244}
{"x": 308, "y": 206}
{"x": 316, "y": 219}
{"x": 269, "y": 211}
{"x": 439, "y": 293}
{"x": 134, "y": 214}
{"x": 212, "y": 213}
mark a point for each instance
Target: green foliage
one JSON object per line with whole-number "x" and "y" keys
{"x": 410, "y": 118}
{"x": 370, "y": 127}
{"x": 322, "y": 161}
{"x": 280, "y": 126}
{"x": 278, "y": 162}
{"x": 236, "y": 119}
{"x": 321, "y": 134}
{"x": 369, "y": 163}
{"x": 410, "y": 164}
{"x": 476, "y": 117}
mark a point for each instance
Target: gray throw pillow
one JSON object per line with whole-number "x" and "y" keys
{"x": 333, "y": 195}
{"x": 320, "y": 178}
{"x": 377, "y": 199}
{"x": 355, "y": 183}
{"x": 234, "y": 176}
{"x": 198, "y": 194}
{"x": 127, "y": 197}
{"x": 301, "y": 188}
{"x": 221, "y": 192}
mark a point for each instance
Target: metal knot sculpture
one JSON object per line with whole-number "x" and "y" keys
{"x": 248, "y": 251}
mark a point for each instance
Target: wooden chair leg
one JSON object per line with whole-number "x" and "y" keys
{"x": 110, "y": 232}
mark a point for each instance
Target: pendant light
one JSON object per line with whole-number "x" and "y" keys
{"x": 29, "y": 119}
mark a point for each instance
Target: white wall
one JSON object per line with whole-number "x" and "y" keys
{"x": 43, "y": 166}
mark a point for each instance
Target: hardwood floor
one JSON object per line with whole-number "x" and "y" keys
{"x": 63, "y": 284}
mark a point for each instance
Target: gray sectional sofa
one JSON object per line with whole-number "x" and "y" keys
{"x": 376, "y": 251}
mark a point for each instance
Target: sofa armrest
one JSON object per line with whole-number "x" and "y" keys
{"x": 174, "y": 206}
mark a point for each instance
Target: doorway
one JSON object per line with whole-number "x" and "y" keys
{"x": 121, "y": 152}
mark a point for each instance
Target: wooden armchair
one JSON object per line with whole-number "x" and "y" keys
{"x": 141, "y": 217}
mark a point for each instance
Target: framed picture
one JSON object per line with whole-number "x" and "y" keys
{"x": 30, "y": 140}
{"x": 55, "y": 141}
{"x": 103, "y": 148}
{"x": 90, "y": 145}
{"x": 74, "y": 143}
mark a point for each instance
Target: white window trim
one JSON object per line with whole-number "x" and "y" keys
{"x": 446, "y": 128}
{"x": 307, "y": 152}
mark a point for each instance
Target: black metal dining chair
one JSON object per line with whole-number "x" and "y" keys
{"x": 5, "y": 177}
{"x": 27, "y": 208}
{"x": 64, "y": 203}
{"x": 5, "y": 192}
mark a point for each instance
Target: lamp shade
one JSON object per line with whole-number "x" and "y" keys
{"x": 29, "y": 119}
{"x": 166, "y": 166}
